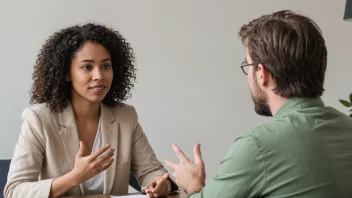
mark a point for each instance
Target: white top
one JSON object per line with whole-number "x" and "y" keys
{"x": 95, "y": 185}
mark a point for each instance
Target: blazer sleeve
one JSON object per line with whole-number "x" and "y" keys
{"x": 144, "y": 163}
{"x": 26, "y": 164}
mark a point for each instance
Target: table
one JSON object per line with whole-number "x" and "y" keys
{"x": 173, "y": 195}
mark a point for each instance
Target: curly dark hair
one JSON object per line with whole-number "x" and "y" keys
{"x": 54, "y": 61}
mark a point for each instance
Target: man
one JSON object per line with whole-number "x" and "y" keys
{"x": 306, "y": 151}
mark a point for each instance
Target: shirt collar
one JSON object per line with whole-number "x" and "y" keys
{"x": 297, "y": 103}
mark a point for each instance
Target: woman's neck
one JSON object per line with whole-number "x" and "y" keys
{"x": 86, "y": 111}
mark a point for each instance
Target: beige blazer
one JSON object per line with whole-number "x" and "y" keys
{"x": 49, "y": 142}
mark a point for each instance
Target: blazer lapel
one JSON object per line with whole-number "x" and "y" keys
{"x": 70, "y": 140}
{"x": 106, "y": 119}
{"x": 69, "y": 136}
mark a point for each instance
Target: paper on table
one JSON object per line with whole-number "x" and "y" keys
{"x": 131, "y": 196}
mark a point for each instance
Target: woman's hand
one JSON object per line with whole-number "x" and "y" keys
{"x": 85, "y": 168}
{"x": 161, "y": 186}
{"x": 89, "y": 166}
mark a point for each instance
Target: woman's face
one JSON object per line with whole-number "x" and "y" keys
{"x": 91, "y": 73}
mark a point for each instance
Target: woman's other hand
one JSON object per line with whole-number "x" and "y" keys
{"x": 161, "y": 186}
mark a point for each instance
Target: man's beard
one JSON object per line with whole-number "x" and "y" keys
{"x": 261, "y": 106}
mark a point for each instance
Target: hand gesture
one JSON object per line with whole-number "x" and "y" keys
{"x": 188, "y": 175}
{"x": 89, "y": 166}
{"x": 161, "y": 186}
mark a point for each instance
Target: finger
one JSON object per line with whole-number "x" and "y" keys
{"x": 149, "y": 188}
{"x": 170, "y": 164}
{"x": 96, "y": 154}
{"x": 166, "y": 175}
{"x": 107, "y": 165}
{"x": 153, "y": 194}
{"x": 179, "y": 153}
{"x": 106, "y": 153}
{"x": 149, "y": 192}
{"x": 104, "y": 162}
{"x": 145, "y": 188}
{"x": 81, "y": 150}
{"x": 104, "y": 159}
{"x": 153, "y": 184}
{"x": 159, "y": 186}
{"x": 197, "y": 154}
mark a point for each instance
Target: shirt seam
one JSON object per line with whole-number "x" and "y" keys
{"x": 261, "y": 151}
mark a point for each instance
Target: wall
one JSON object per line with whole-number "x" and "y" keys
{"x": 190, "y": 88}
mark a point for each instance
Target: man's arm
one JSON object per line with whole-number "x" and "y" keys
{"x": 241, "y": 174}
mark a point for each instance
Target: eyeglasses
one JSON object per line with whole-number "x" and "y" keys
{"x": 244, "y": 66}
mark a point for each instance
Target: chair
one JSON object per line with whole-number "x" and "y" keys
{"x": 4, "y": 169}
{"x": 134, "y": 183}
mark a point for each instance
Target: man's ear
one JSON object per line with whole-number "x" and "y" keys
{"x": 263, "y": 75}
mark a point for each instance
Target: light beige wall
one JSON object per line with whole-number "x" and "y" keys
{"x": 190, "y": 87}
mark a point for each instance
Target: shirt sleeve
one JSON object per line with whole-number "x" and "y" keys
{"x": 241, "y": 174}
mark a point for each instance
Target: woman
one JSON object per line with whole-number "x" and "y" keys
{"x": 78, "y": 138}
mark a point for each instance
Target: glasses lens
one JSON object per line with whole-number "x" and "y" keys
{"x": 245, "y": 69}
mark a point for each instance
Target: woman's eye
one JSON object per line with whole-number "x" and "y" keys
{"x": 87, "y": 67}
{"x": 106, "y": 66}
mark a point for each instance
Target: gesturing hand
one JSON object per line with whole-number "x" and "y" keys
{"x": 188, "y": 175}
{"x": 89, "y": 166}
{"x": 161, "y": 186}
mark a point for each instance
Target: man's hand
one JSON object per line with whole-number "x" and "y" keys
{"x": 188, "y": 175}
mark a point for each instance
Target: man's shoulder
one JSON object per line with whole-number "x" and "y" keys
{"x": 267, "y": 129}
{"x": 268, "y": 134}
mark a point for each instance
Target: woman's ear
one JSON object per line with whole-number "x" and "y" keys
{"x": 67, "y": 78}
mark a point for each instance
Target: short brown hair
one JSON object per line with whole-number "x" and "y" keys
{"x": 292, "y": 49}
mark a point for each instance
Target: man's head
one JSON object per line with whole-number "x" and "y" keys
{"x": 286, "y": 56}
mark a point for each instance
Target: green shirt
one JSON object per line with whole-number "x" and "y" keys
{"x": 305, "y": 152}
